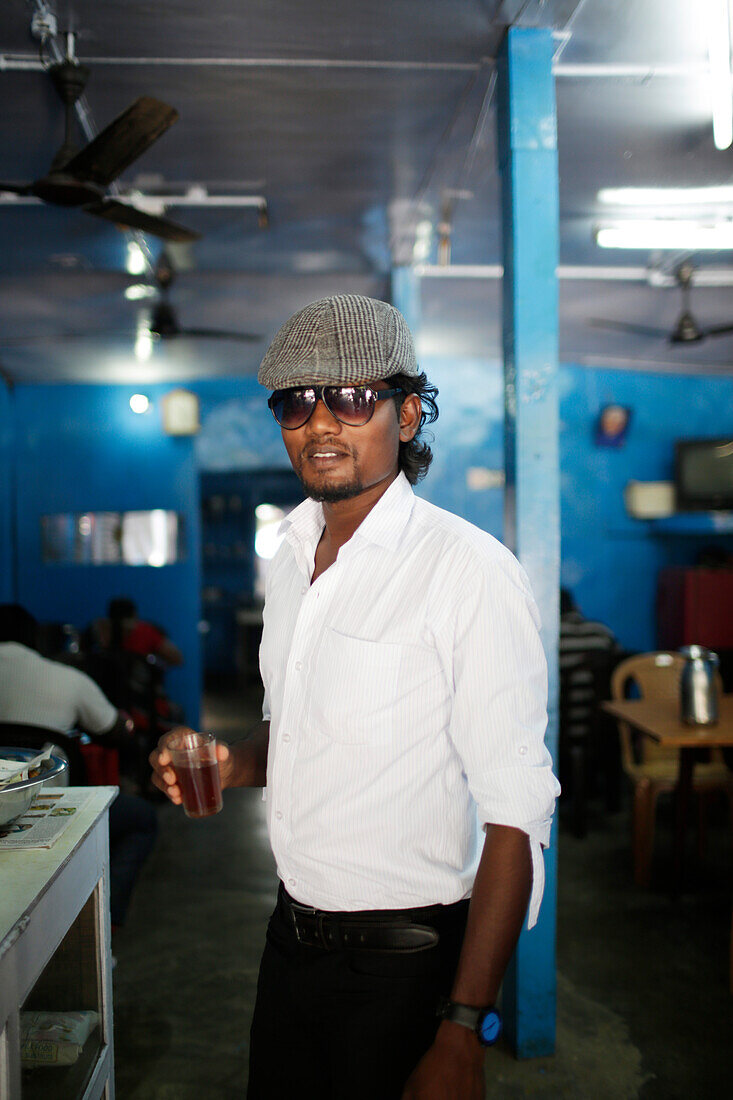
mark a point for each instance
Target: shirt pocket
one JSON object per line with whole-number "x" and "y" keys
{"x": 356, "y": 689}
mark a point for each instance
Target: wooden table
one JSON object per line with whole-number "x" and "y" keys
{"x": 660, "y": 720}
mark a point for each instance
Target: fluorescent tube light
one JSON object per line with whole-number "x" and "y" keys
{"x": 686, "y": 236}
{"x": 720, "y": 72}
{"x": 143, "y": 346}
{"x": 135, "y": 262}
{"x": 666, "y": 196}
{"x": 137, "y": 291}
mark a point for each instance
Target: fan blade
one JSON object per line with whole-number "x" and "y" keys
{"x": 718, "y": 330}
{"x": 625, "y": 326}
{"x": 17, "y": 188}
{"x": 132, "y": 218}
{"x": 122, "y": 142}
{"x": 218, "y": 334}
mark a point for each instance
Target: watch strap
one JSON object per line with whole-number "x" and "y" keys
{"x": 465, "y": 1015}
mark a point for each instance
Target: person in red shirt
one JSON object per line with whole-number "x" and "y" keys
{"x": 122, "y": 629}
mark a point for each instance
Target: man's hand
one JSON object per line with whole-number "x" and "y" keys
{"x": 452, "y": 1069}
{"x": 164, "y": 777}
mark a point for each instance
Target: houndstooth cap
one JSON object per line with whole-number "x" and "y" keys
{"x": 339, "y": 340}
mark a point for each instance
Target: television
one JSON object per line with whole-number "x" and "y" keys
{"x": 704, "y": 474}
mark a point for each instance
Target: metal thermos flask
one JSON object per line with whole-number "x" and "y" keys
{"x": 698, "y": 686}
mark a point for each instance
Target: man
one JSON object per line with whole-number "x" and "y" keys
{"x": 48, "y": 697}
{"x": 37, "y": 692}
{"x": 405, "y": 694}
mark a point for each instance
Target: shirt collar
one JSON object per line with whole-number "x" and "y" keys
{"x": 388, "y": 518}
{"x": 383, "y": 525}
{"x": 304, "y": 524}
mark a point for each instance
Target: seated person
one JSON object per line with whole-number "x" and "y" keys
{"x": 119, "y": 659}
{"x": 123, "y": 630}
{"x": 53, "y": 697}
{"x": 588, "y": 747}
{"x": 35, "y": 691}
{"x": 578, "y": 634}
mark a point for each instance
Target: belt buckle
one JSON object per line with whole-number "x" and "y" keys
{"x": 296, "y": 910}
{"x": 321, "y": 935}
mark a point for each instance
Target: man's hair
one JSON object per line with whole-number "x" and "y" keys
{"x": 121, "y": 607}
{"x": 415, "y": 457}
{"x": 18, "y": 625}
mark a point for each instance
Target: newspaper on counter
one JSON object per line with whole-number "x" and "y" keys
{"x": 45, "y": 819}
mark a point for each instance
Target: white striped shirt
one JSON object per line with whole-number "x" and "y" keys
{"x": 406, "y": 690}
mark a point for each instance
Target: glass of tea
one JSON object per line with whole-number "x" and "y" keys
{"x": 193, "y": 756}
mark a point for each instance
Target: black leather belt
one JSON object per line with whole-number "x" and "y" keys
{"x": 346, "y": 931}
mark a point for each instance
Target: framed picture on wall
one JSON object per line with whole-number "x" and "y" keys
{"x": 612, "y": 425}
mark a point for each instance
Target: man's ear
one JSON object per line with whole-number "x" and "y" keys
{"x": 410, "y": 414}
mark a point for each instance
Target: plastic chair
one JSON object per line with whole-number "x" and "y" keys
{"x": 653, "y": 768}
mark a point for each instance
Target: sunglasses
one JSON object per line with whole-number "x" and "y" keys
{"x": 351, "y": 405}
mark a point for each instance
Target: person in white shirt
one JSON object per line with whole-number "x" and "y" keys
{"x": 409, "y": 791}
{"x": 35, "y": 691}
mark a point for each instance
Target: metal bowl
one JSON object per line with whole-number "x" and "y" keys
{"x": 17, "y": 797}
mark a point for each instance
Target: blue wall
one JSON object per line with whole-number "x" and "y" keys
{"x": 81, "y": 448}
{"x": 238, "y": 431}
{"x": 609, "y": 560}
{"x": 468, "y": 433}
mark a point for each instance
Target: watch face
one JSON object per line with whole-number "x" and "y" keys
{"x": 489, "y": 1027}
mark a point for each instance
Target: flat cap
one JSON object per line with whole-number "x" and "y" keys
{"x": 342, "y": 340}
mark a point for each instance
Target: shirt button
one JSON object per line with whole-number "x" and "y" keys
{"x": 304, "y": 590}
{"x": 286, "y": 737}
{"x": 279, "y": 816}
{"x": 298, "y": 666}
{"x": 522, "y": 750}
{"x": 292, "y": 882}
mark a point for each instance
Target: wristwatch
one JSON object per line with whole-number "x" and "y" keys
{"x": 484, "y": 1022}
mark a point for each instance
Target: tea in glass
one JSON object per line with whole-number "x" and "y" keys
{"x": 193, "y": 756}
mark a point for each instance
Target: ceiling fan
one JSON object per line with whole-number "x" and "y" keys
{"x": 158, "y": 320}
{"x": 79, "y": 178}
{"x": 686, "y": 329}
{"x": 164, "y": 324}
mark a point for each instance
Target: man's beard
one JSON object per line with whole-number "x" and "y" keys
{"x": 325, "y": 493}
{"x": 330, "y": 494}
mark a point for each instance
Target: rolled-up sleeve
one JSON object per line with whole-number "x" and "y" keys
{"x": 499, "y": 714}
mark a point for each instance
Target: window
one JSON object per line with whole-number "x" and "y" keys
{"x": 113, "y": 538}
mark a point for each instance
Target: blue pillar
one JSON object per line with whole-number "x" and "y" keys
{"x": 406, "y": 297}
{"x": 527, "y": 136}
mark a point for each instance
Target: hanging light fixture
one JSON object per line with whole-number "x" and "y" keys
{"x": 684, "y": 236}
{"x": 718, "y": 20}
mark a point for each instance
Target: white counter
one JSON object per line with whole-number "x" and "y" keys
{"x": 42, "y": 894}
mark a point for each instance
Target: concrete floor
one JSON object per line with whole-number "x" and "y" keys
{"x": 643, "y": 1005}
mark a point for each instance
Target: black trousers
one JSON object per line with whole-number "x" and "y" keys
{"x": 347, "y": 1024}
